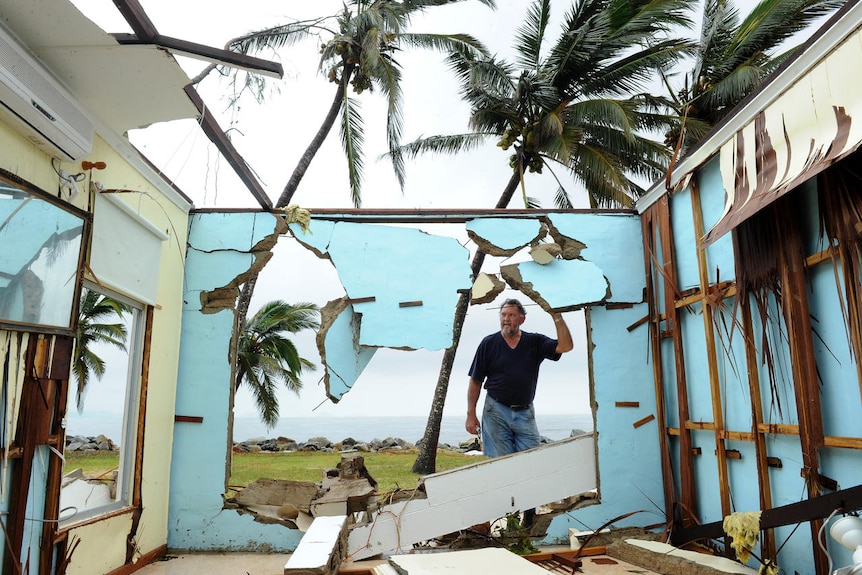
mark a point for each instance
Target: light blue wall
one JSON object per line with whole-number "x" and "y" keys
{"x": 629, "y": 460}
{"x": 219, "y": 250}
{"x": 396, "y": 265}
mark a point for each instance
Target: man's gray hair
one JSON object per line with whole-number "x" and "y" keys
{"x": 514, "y": 302}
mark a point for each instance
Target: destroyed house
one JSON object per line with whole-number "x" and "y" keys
{"x": 722, "y": 316}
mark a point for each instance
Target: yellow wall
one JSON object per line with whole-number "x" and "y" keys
{"x": 106, "y": 539}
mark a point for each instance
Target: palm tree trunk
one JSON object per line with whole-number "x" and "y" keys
{"x": 426, "y": 460}
{"x": 317, "y": 141}
{"x": 296, "y": 177}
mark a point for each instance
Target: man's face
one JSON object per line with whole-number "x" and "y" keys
{"x": 510, "y": 320}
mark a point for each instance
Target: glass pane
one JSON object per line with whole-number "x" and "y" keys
{"x": 39, "y": 263}
{"x": 101, "y": 430}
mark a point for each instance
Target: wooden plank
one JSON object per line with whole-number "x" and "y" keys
{"x": 628, "y": 404}
{"x": 707, "y": 309}
{"x": 188, "y": 419}
{"x": 354, "y": 300}
{"x": 802, "y": 511}
{"x": 643, "y": 421}
{"x": 688, "y": 484}
{"x": 648, "y": 232}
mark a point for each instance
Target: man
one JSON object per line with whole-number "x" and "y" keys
{"x": 508, "y": 364}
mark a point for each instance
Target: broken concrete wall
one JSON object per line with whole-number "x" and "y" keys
{"x": 380, "y": 262}
{"x": 221, "y": 249}
{"x": 628, "y": 458}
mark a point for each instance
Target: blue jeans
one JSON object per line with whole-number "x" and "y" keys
{"x": 506, "y": 431}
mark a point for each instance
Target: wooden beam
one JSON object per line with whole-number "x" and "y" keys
{"x": 648, "y": 232}
{"x": 188, "y": 419}
{"x": 707, "y": 309}
{"x": 201, "y": 51}
{"x": 812, "y": 509}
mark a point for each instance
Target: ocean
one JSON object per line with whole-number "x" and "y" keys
{"x": 337, "y": 428}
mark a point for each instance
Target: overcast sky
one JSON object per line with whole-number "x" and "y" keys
{"x": 272, "y": 136}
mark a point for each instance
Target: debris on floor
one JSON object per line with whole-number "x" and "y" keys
{"x": 669, "y": 560}
{"x": 347, "y": 489}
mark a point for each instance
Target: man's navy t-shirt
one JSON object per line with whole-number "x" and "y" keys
{"x": 511, "y": 375}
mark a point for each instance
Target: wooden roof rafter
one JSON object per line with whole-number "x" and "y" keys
{"x": 145, "y": 32}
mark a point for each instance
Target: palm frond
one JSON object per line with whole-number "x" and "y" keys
{"x": 352, "y": 137}
{"x": 444, "y": 43}
{"x": 451, "y": 145}
{"x": 531, "y": 34}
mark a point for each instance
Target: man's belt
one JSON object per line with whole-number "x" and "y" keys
{"x": 516, "y": 407}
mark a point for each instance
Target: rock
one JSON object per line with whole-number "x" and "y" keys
{"x": 320, "y": 442}
{"x": 285, "y": 444}
{"x": 268, "y": 445}
{"x": 75, "y": 446}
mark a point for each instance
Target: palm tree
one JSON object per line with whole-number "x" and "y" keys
{"x": 580, "y": 106}
{"x": 360, "y": 54}
{"x": 95, "y": 310}
{"x": 266, "y": 357}
{"x": 732, "y": 58}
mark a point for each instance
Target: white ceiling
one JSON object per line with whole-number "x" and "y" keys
{"x": 125, "y": 87}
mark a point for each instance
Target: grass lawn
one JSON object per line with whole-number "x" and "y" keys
{"x": 391, "y": 469}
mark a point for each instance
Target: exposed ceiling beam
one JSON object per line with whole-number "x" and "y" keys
{"x": 208, "y": 53}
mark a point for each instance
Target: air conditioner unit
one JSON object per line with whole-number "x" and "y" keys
{"x": 38, "y": 106}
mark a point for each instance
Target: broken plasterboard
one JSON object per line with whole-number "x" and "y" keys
{"x": 378, "y": 265}
{"x": 561, "y": 285}
{"x": 338, "y": 343}
{"x": 504, "y": 236}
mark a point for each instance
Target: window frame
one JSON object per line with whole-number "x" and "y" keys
{"x": 130, "y": 444}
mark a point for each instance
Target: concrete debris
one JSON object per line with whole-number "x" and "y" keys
{"x": 349, "y": 488}
{"x": 545, "y": 253}
{"x": 486, "y": 288}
